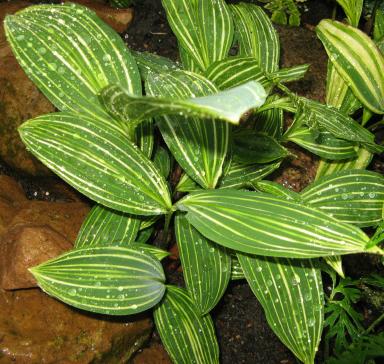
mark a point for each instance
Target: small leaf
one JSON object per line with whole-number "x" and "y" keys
{"x": 257, "y": 223}
{"x": 270, "y": 122}
{"x": 187, "y": 336}
{"x": 162, "y": 161}
{"x": 98, "y": 161}
{"x": 353, "y": 10}
{"x": 276, "y": 189}
{"x": 106, "y": 227}
{"x": 187, "y": 184}
{"x": 336, "y": 262}
{"x": 351, "y": 196}
{"x": 291, "y": 293}
{"x": 227, "y": 105}
{"x": 358, "y": 61}
{"x": 109, "y": 280}
{"x": 206, "y": 266}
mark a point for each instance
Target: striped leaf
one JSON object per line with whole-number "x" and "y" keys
{"x": 227, "y": 105}
{"x": 291, "y": 293}
{"x": 98, "y": 161}
{"x": 324, "y": 144}
{"x": 206, "y": 266}
{"x": 336, "y": 263}
{"x": 378, "y": 29}
{"x": 353, "y": 10}
{"x": 276, "y": 189}
{"x": 189, "y": 64}
{"x": 358, "y": 61}
{"x": 187, "y": 184}
{"x": 71, "y": 55}
{"x": 258, "y": 223}
{"x": 144, "y": 235}
{"x": 109, "y": 280}
{"x": 352, "y": 196}
{"x": 162, "y": 161}
{"x": 203, "y": 28}
{"x": 187, "y": 336}
{"x": 290, "y": 74}
{"x": 256, "y": 35}
{"x": 106, "y": 227}
{"x": 199, "y": 146}
{"x": 250, "y": 147}
{"x": 153, "y": 63}
{"x": 237, "y": 272}
{"x": 144, "y": 137}
{"x": 329, "y": 167}
{"x": 239, "y": 175}
{"x": 270, "y": 122}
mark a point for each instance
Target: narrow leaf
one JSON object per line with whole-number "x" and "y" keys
{"x": 353, "y": 10}
{"x": 144, "y": 137}
{"x": 187, "y": 184}
{"x": 162, "y": 161}
{"x": 276, "y": 189}
{"x": 270, "y": 122}
{"x": 291, "y": 293}
{"x": 106, "y": 227}
{"x": 352, "y": 196}
{"x": 109, "y": 280}
{"x": 357, "y": 59}
{"x": 98, "y": 161}
{"x": 336, "y": 263}
{"x": 257, "y": 223}
{"x": 206, "y": 266}
{"x": 187, "y": 336}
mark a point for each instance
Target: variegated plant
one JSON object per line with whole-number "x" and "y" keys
{"x": 222, "y": 124}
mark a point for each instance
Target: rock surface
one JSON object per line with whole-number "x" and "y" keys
{"x": 35, "y": 328}
{"x": 20, "y": 100}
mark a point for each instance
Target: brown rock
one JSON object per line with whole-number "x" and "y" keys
{"x": 20, "y": 100}
{"x": 24, "y": 247}
{"x": 10, "y": 190}
{"x": 37, "y": 329}
{"x": 155, "y": 353}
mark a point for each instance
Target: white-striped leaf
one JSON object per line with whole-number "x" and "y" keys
{"x": 187, "y": 184}
{"x": 270, "y": 122}
{"x": 206, "y": 266}
{"x": 353, "y": 10}
{"x": 291, "y": 293}
{"x": 109, "y": 280}
{"x": 290, "y": 74}
{"x": 71, "y": 55}
{"x": 358, "y": 61}
{"x": 237, "y": 272}
{"x": 187, "y": 336}
{"x": 162, "y": 161}
{"x": 189, "y": 64}
{"x": 250, "y": 147}
{"x": 324, "y": 144}
{"x": 106, "y": 227}
{"x": 336, "y": 263}
{"x": 144, "y": 137}
{"x": 228, "y": 105}
{"x": 258, "y": 223}
{"x": 378, "y": 29}
{"x": 198, "y": 145}
{"x": 203, "y": 28}
{"x": 276, "y": 189}
{"x": 98, "y": 161}
{"x": 352, "y": 196}
{"x": 256, "y": 35}
{"x": 239, "y": 175}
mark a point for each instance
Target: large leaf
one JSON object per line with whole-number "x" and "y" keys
{"x": 256, "y": 35}
{"x": 324, "y": 144}
{"x": 206, "y": 266}
{"x": 227, "y": 105}
{"x": 99, "y": 161}
{"x": 198, "y": 145}
{"x": 262, "y": 224}
{"x": 106, "y": 227}
{"x": 71, "y": 55}
{"x": 109, "y": 280}
{"x": 358, "y": 61}
{"x": 353, "y": 196}
{"x": 291, "y": 293}
{"x": 203, "y": 28}
{"x": 187, "y": 336}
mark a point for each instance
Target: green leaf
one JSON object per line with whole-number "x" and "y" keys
{"x": 290, "y": 74}
{"x": 378, "y": 29}
{"x": 187, "y": 336}
{"x": 276, "y": 189}
{"x": 353, "y": 10}
{"x": 199, "y": 146}
{"x": 144, "y": 137}
{"x": 106, "y": 227}
{"x": 162, "y": 161}
{"x": 291, "y": 293}
{"x": 240, "y": 175}
{"x": 336, "y": 262}
{"x": 206, "y": 266}
{"x": 250, "y": 147}
{"x": 98, "y": 161}
{"x": 257, "y": 223}
{"x": 256, "y": 35}
{"x": 324, "y": 144}
{"x": 71, "y": 55}
{"x": 351, "y": 196}
{"x": 227, "y": 105}
{"x": 187, "y": 184}
{"x": 203, "y": 28}
{"x": 358, "y": 61}
{"x": 144, "y": 235}
{"x": 237, "y": 272}
{"x": 109, "y": 280}
{"x": 270, "y": 122}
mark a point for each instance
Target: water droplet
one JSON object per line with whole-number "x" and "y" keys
{"x": 72, "y": 292}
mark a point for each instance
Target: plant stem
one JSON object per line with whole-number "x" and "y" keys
{"x": 374, "y": 324}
